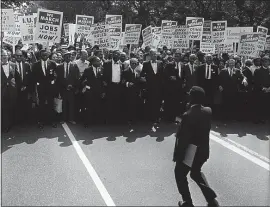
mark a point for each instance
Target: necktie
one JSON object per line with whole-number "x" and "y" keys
{"x": 45, "y": 67}
{"x": 191, "y": 69}
{"x": 66, "y": 70}
{"x": 21, "y": 70}
{"x": 208, "y": 72}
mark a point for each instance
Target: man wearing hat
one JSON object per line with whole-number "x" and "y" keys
{"x": 67, "y": 83}
{"x": 262, "y": 90}
{"x": 44, "y": 76}
{"x": 193, "y": 132}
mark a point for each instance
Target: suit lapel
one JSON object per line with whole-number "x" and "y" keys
{"x": 3, "y": 74}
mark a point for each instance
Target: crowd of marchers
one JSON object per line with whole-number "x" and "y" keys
{"x": 93, "y": 86}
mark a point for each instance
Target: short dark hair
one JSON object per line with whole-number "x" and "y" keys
{"x": 197, "y": 95}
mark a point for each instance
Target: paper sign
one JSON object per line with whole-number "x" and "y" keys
{"x": 180, "y": 40}
{"x": 49, "y": 25}
{"x": 195, "y": 27}
{"x": 114, "y": 20}
{"x": 233, "y": 33}
{"x": 27, "y": 29}
{"x": 7, "y": 20}
{"x": 206, "y": 45}
{"x": 66, "y": 29}
{"x": 207, "y": 27}
{"x": 147, "y": 36}
{"x": 263, "y": 30}
{"x": 101, "y": 35}
{"x": 12, "y": 38}
{"x": 132, "y": 33}
{"x": 248, "y": 45}
{"x": 71, "y": 31}
{"x": 267, "y": 45}
{"x": 262, "y": 38}
{"x": 228, "y": 48}
{"x": 155, "y": 40}
{"x": 83, "y": 24}
{"x": 218, "y": 32}
{"x": 115, "y": 38}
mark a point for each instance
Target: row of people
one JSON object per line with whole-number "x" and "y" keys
{"x": 119, "y": 89}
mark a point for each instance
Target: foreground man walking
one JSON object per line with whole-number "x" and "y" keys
{"x": 192, "y": 148}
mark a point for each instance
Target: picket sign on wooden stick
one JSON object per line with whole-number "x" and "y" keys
{"x": 192, "y": 45}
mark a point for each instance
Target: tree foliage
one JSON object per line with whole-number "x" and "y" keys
{"x": 152, "y": 12}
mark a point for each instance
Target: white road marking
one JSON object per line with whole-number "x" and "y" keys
{"x": 243, "y": 148}
{"x": 101, "y": 188}
{"x": 241, "y": 152}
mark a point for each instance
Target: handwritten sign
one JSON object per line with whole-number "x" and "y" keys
{"x": 180, "y": 40}
{"x": 248, "y": 44}
{"x": 83, "y": 25}
{"x": 101, "y": 35}
{"x": 147, "y": 36}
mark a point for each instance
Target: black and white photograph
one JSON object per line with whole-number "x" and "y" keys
{"x": 135, "y": 103}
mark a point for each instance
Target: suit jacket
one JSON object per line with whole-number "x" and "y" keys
{"x": 27, "y": 78}
{"x": 45, "y": 83}
{"x": 203, "y": 82}
{"x": 189, "y": 79}
{"x": 95, "y": 82}
{"x": 129, "y": 76}
{"x": 72, "y": 78}
{"x": 173, "y": 86}
{"x": 107, "y": 71}
{"x": 231, "y": 84}
{"x": 154, "y": 82}
{"x": 194, "y": 129}
{"x": 8, "y": 92}
{"x": 261, "y": 79}
{"x": 248, "y": 74}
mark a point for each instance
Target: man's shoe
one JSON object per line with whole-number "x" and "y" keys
{"x": 185, "y": 204}
{"x": 213, "y": 203}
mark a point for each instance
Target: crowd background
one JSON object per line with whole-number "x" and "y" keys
{"x": 148, "y": 85}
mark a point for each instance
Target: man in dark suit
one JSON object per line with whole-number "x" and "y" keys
{"x": 9, "y": 90}
{"x": 230, "y": 82}
{"x": 173, "y": 84}
{"x": 262, "y": 90}
{"x": 113, "y": 80}
{"x": 153, "y": 74}
{"x": 207, "y": 78}
{"x": 132, "y": 84}
{"x": 23, "y": 108}
{"x": 193, "y": 130}
{"x": 189, "y": 73}
{"x": 44, "y": 76}
{"x": 93, "y": 89}
{"x": 67, "y": 83}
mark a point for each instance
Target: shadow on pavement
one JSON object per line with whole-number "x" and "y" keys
{"x": 261, "y": 131}
{"x": 111, "y": 132}
{"x": 30, "y": 134}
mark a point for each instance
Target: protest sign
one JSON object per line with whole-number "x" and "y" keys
{"x": 167, "y": 31}
{"x": 233, "y": 33}
{"x": 147, "y": 36}
{"x": 7, "y": 20}
{"x": 132, "y": 33}
{"x": 248, "y": 45}
{"x": 12, "y": 38}
{"x": 207, "y": 27}
{"x": 228, "y": 48}
{"x": 100, "y": 34}
{"x": 27, "y": 29}
{"x": 267, "y": 45}
{"x": 66, "y": 29}
{"x": 71, "y": 32}
{"x": 17, "y": 22}
{"x": 262, "y": 38}
{"x": 83, "y": 25}
{"x": 49, "y": 24}
{"x": 156, "y": 30}
{"x": 155, "y": 40}
{"x": 115, "y": 38}
{"x": 114, "y": 20}
{"x": 195, "y": 27}
{"x": 218, "y": 32}
{"x": 122, "y": 42}
{"x": 206, "y": 45}
{"x": 263, "y": 30}
{"x": 180, "y": 40}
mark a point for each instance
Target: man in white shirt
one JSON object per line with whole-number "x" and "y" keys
{"x": 82, "y": 63}
{"x": 113, "y": 77}
{"x": 44, "y": 76}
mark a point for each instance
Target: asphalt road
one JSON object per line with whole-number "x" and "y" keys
{"x": 46, "y": 168}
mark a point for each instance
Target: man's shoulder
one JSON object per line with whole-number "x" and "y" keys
{"x": 207, "y": 110}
